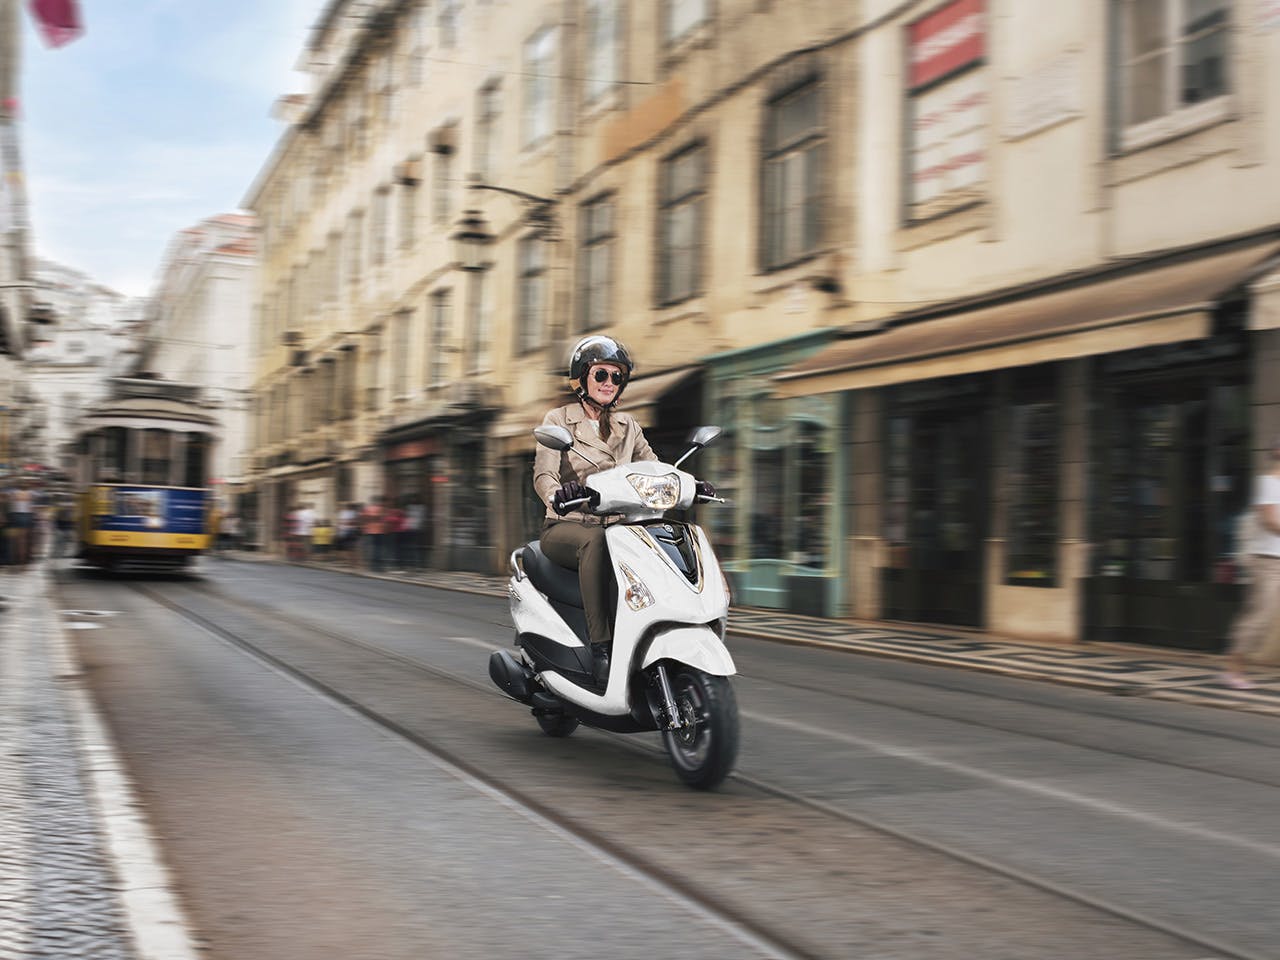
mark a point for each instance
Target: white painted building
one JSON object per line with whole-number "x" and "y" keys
{"x": 199, "y": 327}
{"x": 84, "y": 335}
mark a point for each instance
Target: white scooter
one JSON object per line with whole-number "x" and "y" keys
{"x": 668, "y": 667}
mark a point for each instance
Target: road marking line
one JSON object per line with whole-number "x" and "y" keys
{"x": 1027, "y": 786}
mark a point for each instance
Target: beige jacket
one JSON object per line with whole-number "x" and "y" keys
{"x": 551, "y": 468}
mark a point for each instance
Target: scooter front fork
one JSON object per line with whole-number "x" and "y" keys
{"x": 670, "y": 713}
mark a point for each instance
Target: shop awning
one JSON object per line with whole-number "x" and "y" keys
{"x": 643, "y": 394}
{"x": 1169, "y": 303}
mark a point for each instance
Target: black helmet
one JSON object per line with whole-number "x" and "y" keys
{"x": 597, "y": 349}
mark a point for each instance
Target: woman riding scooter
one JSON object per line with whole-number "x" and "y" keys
{"x": 599, "y": 369}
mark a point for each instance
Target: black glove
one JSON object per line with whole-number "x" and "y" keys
{"x": 704, "y": 490}
{"x": 572, "y": 490}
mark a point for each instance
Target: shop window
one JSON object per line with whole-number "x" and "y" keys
{"x": 767, "y": 503}
{"x": 1173, "y": 64}
{"x": 793, "y": 144}
{"x": 723, "y": 458}
{"x": 1033, "y": 478}
{"x": 897, "y": 496}
{"x": 680, "y": 224}
{"x": 814, "y": 483}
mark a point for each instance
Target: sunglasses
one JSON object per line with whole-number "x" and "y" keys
{"x": 602, "y": 375}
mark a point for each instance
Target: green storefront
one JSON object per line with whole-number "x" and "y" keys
{"x": 783, "y": 465}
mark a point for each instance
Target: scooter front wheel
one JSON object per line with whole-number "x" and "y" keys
{"x": 705, "y": 746}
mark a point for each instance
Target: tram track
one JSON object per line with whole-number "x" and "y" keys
{"x": 897, "y": 704}
{"x": 720, "y": 911}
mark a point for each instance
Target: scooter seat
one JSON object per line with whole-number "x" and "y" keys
{"x": 557, "y": 582}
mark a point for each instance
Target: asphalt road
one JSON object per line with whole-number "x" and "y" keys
{"x": 883, "y": 809}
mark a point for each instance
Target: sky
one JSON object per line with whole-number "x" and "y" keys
{"x": 157, "y": 117}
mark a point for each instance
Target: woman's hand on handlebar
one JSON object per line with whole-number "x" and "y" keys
{"x": 570, "y": 495}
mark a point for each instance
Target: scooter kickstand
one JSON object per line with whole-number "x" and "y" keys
{"x": 668, "y": 699}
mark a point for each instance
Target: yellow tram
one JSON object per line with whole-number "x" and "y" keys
{"x": 142, "y": 472}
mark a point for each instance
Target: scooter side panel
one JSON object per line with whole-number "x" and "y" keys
{"x": 532, "y": 613}
{"x": 699, "y": 647}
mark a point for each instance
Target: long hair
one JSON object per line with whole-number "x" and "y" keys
{"x": 606, "y": 423}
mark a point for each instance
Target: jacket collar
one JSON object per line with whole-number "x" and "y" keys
{"x": 576, "y": 417}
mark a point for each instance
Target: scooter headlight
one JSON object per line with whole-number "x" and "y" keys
{"x": 656, "y": 493}
{"x": 637, "y": 594}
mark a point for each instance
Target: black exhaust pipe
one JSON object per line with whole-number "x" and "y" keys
{"x": 511, "y": 676}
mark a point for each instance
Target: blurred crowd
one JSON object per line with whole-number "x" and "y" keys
{"x": 33, "y": 518}
{"x": 381, "y": 535}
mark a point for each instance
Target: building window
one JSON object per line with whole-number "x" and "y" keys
{"x": 347, "y": 389}
{"x": 478, "y": 327}
{"x": 439, "y": 346}
{"x": 442, "y": 184}
{"x": 408, "y": 216}
{"x": 595, "y": 266}
{"x": 402, "y": 325}
{"x": 682, "y": 16}
{"x": 448, "y": 24}
{"x": 601, "y": 53}
{"x": 532, "y": 295}
{"x": 947, "y": 110}
{"x": 418, "y": 49}
{"x": 683, "y": 190}
{"x": 539, "y": 100}
{"x": 355, "y": 253}
{"x": 1034, "y": 469}
{"x": 373, "y": 370}
{"x": 1173, "y": 56}
{"x": 792, "y": 177}
{"x": 488, "y": 109}
{"x": 378, "y": 227}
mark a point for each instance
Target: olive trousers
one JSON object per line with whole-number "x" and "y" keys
{"x": 582, "y": 547}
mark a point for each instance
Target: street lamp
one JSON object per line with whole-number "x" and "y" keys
{"x": 471, "y": 242}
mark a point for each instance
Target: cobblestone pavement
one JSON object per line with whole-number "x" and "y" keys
{"x": 1124, "y": 669}
{"x": 58, "y": 894}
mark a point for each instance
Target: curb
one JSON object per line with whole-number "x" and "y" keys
{"x": 157, "y": 923}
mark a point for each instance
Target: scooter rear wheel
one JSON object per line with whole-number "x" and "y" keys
{"x": 703, "y": 751}
{"x": 557, "y": 724}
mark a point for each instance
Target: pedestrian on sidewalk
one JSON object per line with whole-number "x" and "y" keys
{"x": 373, "y": 530}
{"x": 348, "y": 532}
{"x": 1261, "y": 550}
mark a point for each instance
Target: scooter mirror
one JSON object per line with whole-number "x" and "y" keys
{"x": 704, "y": 435}
{"x": 557, "y": 438}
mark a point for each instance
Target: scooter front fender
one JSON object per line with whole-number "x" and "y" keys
{"x": 699, "y": 647}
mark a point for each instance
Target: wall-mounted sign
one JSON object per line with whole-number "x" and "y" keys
{"x": 947, "y": 105}
{"x": 1044, "y": 97}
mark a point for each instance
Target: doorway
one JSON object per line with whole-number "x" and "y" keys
{"x": 936, "y": 511}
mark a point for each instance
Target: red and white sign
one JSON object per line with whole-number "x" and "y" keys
{"x": 946, "y": 40}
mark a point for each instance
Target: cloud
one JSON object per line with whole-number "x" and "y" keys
{"x": 155, "y": 119}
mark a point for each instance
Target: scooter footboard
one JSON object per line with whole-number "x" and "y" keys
{"x": 699, "y": 647}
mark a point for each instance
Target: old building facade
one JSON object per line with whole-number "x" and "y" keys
{"x": 938, "y": 267}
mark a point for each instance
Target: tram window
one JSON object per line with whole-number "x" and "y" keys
{"x": 197, "y": 447}
{"x": 155, "y": 456}
{"x": 114, "y": 455}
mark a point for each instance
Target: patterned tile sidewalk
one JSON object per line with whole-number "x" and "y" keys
{"x": 1122, "y": 669}
{"x": 59, "y": 895}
